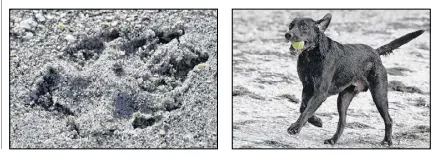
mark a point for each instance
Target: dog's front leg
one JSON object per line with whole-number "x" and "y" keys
{"x": 307, "y": 93}
{"x": 313, "y": 104}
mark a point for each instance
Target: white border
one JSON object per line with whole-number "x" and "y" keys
{"x": 224, "y": 65}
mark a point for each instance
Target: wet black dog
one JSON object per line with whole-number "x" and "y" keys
{"x": 326, "y": 67}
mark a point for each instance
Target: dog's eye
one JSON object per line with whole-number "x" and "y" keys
{"x": 290, "y": 26}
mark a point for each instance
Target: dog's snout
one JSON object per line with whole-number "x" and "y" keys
{"x": 288, "y": 35}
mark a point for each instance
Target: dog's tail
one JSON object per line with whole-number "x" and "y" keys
{"x": 388, "y": 48}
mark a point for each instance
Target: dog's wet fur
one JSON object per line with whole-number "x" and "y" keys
{"x": 326, "y": 68}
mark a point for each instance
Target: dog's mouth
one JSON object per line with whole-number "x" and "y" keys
{"x": 297, "y": 47}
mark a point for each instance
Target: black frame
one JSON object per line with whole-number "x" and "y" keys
{"x": 299, "y": 9}
{"x": 216, "y": 9}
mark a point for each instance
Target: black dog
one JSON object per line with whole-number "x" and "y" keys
{"x": 326, "y": 67}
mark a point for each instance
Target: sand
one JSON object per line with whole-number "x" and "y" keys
{"x": 113, "y": 79}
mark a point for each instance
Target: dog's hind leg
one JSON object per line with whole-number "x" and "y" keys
{"x": 344, "y": 100}
{"x": 378, "y": 88}
{"x": 307, "y": 92}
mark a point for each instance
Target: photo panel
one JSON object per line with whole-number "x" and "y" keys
{"x": 113, "y": 78}
{"x": 331, "y": 78}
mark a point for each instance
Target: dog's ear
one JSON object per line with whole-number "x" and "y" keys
{"x": 323, "y": 23}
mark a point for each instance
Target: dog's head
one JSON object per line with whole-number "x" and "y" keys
{"x": 303, "y": 33}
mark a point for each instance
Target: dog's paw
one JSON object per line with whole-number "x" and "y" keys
{"x": 315, "y": 121}
{"x": 386, "y": 143}
{"x": 330, "y": 141}
{"x": 294, "y": 129}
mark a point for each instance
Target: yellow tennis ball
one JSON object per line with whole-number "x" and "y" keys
{"x": 298, "y": 45}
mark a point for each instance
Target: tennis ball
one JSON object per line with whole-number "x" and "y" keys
{"x": 298, "y": 45}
